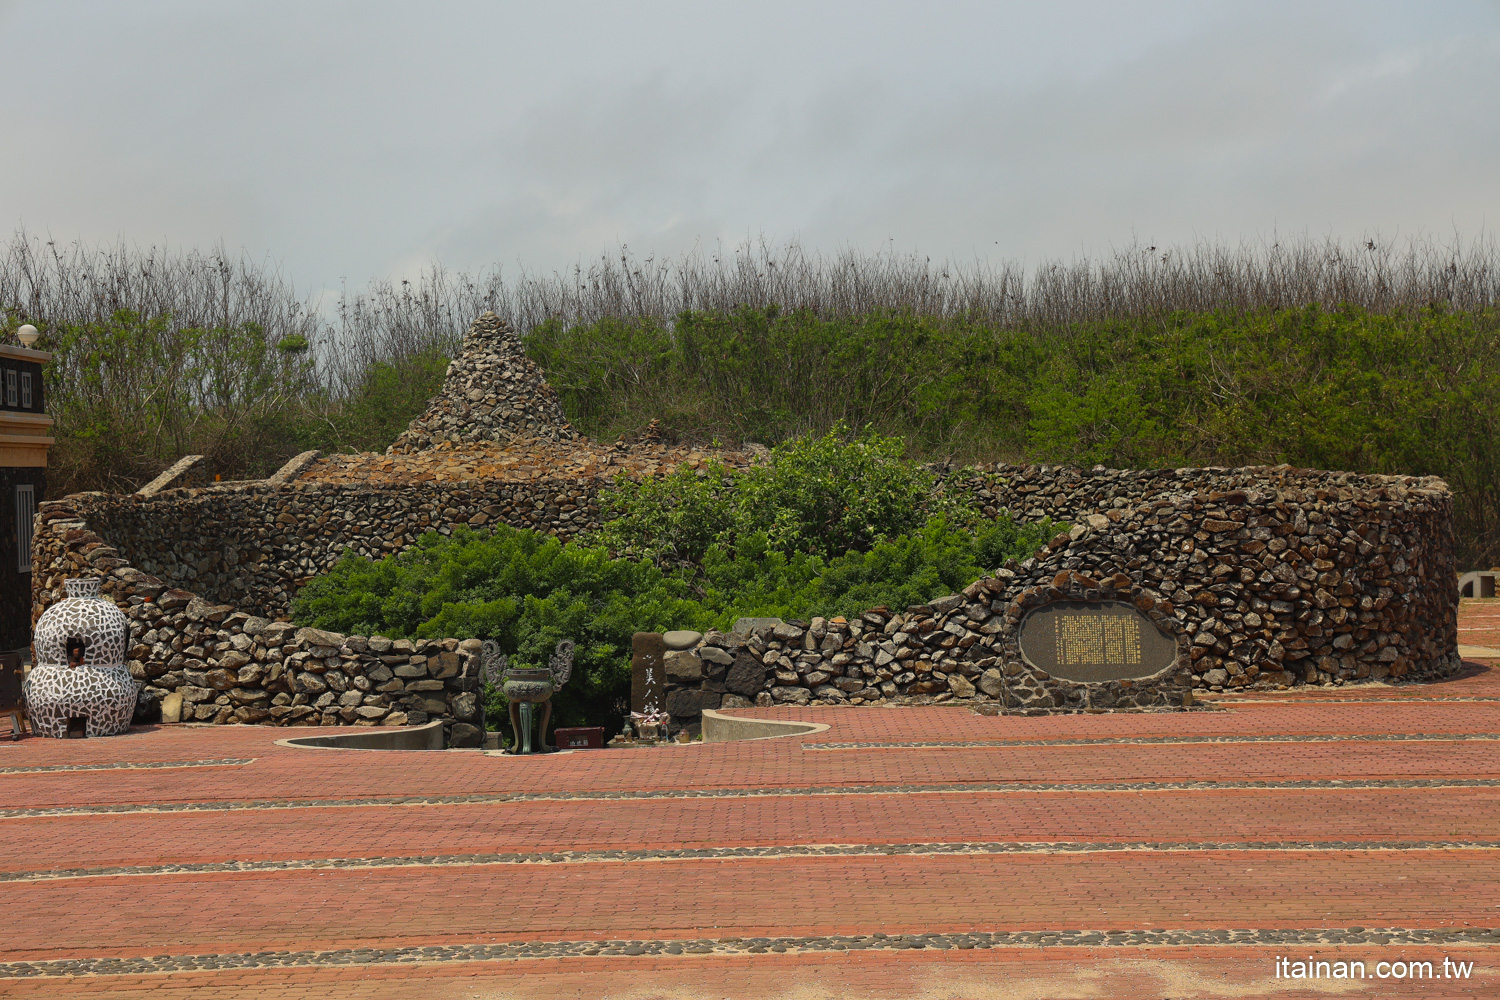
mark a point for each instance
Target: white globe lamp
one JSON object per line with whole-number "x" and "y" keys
{"x": 27, "y": 334}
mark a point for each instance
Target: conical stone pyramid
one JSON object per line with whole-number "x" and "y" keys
{"x": 492, "y": 392}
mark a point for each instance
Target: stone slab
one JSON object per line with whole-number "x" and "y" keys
{"x": 648, "y": 680}
{"x": 681, "y": 639}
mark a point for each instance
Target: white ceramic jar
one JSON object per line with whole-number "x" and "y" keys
{"x": 100, "y": 690}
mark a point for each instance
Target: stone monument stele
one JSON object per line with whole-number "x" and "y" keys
{"x": 1093, "y": 641}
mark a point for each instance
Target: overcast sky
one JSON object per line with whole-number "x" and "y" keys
{"x": 365, "y": 139}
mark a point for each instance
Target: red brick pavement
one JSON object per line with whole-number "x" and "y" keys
{"x": 750, "y": 898}
{"x": 295, "y": 775}
{"x": 70, "y": 842}
{"x": 1318, "y": 885}
{"x": 1479, "y": 623}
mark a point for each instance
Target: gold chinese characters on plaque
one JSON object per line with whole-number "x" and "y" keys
{"x": 1091, "y": 641}
{"x": 1097, "y": 640}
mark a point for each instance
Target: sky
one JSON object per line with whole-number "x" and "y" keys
{"x": 363, "y": 140}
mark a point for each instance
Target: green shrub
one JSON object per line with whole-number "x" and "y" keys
{"x": 529, "y": 591}
{"x": 524, "y": 590}
{"x": 822, "y": 495}
{"x": 758, "y": 580}
{"x": 132, "y": 394}
{"x": 388, "y": 397}
{"x": 948, "y": 384}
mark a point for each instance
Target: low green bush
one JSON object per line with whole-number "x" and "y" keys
{"x": 937, "y": 559}
{"x": 378, "y": 408}
{"x": 525, "y": 590}
{"x": 528, "y": 591}
{"x": 822, "y": 495}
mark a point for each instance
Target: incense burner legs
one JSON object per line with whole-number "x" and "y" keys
{"x": 520, "y": 724}
{"x": 525, "y": 689}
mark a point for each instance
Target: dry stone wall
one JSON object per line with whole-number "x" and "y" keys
{"x": 227, "y": 665}
{"x": 1269, "y": 577}
{"x": 206, "y": 574}
{"x": 254, "y": 546}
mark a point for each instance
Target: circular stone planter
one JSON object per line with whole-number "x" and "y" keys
{"x": 428, "y": 737}
{"x": 721, "y": 728}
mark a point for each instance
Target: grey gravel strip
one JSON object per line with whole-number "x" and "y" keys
{"x": 750, "y": 852}
{"x": 1066, "y": 938}
{"x": 126, "y": 765}
{"x": 965, "y": 788}
{"x": 1153, "y": 741}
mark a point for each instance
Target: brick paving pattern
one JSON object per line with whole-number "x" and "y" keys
{"x": 903, "y": 852}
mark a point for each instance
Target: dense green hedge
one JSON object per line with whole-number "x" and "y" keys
{"x": 528, "y": 591}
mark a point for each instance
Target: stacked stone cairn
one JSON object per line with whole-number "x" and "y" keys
{"x": 492, "y": 392}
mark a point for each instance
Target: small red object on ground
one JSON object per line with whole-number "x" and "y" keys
{"x": 580, "y": 738}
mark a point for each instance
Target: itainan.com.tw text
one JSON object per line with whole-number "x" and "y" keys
{"x": 1294, "y": 968}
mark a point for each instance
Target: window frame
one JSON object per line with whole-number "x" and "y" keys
{"x": 25, "y": 502}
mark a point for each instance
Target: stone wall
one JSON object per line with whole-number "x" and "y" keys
{"x": 231, "y": 666}
{"x": 1270, "y": 576}
{"x": 205, "y": 573}
{"x": 253, "y": 545}
{"x": 202, "y": 574}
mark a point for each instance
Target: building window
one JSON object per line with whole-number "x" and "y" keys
{"x": 26, "y": 390}
{"x": 10, "y": 387}
{"x": 25, "y": 515}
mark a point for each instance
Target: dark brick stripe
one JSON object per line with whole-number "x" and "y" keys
{"x": 968, "y": 788}
{"x": 126, "y": 765}
{"x": 1290, "y": 937}
{"x": 752, "y": 852}
{"x": 1153, "y": 741}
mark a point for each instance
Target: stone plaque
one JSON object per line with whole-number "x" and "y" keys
{"x": 1090, "y": 641}
{"x": 648, "y": 678}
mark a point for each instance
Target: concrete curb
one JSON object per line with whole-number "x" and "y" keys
{"x": 428, "y": 737}
{"x": 720, "y": 728}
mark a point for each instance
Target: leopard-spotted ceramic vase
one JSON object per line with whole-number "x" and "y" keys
{"x": 101, "y": 690}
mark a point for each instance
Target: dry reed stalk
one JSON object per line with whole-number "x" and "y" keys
{"x": 390, "y": 319}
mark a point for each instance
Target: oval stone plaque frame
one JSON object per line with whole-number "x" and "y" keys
{"x": 1095, "y": 641}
